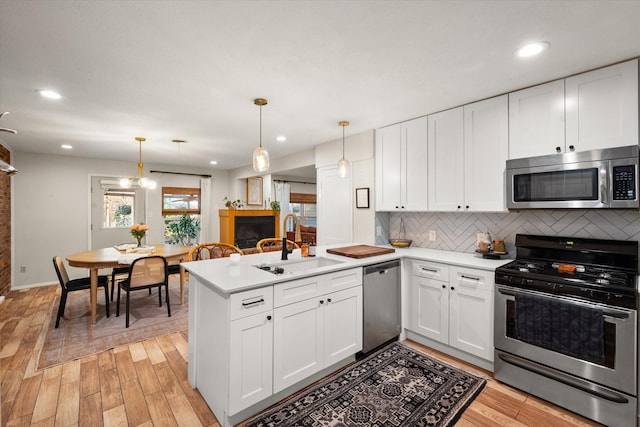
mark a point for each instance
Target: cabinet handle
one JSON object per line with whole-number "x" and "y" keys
{"x": 247, "y": 304}
{"x": 558, "y": 150}
{"x": 430, "y": 270}
{"x": 572, "y": 148}
{"x": 477, "y": 279}
{"x": 268, "y": 317}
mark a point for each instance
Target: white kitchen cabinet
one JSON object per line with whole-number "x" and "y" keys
{"x": 251, "y": 344}
{"x": 602, "y": 107}
{"x": 446, "y": 160}
{"x": 401, "y": 173}
{"x": 536, "y": 120}
{"x": 593, "y": 110}
{"x": 468, "y": 149}
{"x": 471, "y": 311}
{"x": 317, "y": 322}
{"x": 454, "y": 306}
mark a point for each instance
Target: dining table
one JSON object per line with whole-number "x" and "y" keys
{"x": 111, "y": 257}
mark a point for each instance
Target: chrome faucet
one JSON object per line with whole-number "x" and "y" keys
{"x": 285, "y": 251}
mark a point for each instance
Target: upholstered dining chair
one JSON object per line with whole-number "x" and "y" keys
{"x": 271, "y": 244}
{"x": 145, "y": 273}
{"x": 70, "y": 285}
{"x": 212, "y": 250}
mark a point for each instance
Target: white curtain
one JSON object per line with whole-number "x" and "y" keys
{"x": 283, "y": 191}
{"x": 205, "y": 210}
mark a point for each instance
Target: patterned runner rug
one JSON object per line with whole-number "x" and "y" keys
{"x": 76, "y": 337}
{"x": 395, "y": 386}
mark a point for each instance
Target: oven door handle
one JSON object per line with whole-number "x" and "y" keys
{"x": 605, "y": 312}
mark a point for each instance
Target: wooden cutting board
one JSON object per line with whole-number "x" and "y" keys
{"x": 360, "y": 251}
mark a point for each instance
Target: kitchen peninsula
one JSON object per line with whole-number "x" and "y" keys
{"x": 256, "y": 337}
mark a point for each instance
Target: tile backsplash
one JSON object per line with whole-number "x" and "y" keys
{"x": 457, "y": 231}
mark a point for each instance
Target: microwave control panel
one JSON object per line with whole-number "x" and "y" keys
{"x": 624, "y": 182}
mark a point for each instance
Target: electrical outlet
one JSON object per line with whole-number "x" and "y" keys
{"x": 23, "y": 269}
{"x": 378, "y": 230}
{"x": 432, "y": 235}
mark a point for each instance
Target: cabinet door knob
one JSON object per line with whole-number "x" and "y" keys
{"x": 467, "y": 207}
{"x": 459, "y": 206}
{"x": 328, "y": 299}
{"x": 397, "y": 207}
{"x": 321, "y": 301}
{"x": 572, "y": 148}
{"x": 453, "y": 289}
{"x": 558, "y": 149}
{"x": 444, "y": 286}
{"x": 268, "y": 317}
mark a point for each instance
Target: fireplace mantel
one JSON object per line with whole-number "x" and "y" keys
{"x": 228, "y": 221}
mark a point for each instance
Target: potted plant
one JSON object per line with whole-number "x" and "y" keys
{"x": 184, "y": 230}
{"x": 232, "y": 204}
{"x": 275, "y": 205}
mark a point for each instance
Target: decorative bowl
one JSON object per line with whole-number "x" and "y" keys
{"x": 400, "y": 243}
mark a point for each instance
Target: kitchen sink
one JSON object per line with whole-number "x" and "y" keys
{"x": 297, "y": 265}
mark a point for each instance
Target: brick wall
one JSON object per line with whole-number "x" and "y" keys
{"x": 5, "y": 226}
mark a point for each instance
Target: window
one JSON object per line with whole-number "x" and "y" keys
{"x": 176, "y": 200}
{"x": 118, "y": 208}
{"x": 179, "y": 228}
{"x": 304, "y": 206}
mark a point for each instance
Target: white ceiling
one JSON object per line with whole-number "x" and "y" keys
{"x": 191, "y": 69}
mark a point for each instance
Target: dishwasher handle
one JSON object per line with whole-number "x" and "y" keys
{"x": 381, "y": 268}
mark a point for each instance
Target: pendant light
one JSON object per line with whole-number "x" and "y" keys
{"x": 343, "y": 164}
{"x": 140, "y": 180}
{"x": 260, "y": 155}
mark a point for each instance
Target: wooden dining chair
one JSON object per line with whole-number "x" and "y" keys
{"x": 272, "y": 244}
{"x": 212, "y": 250}
{"x": 145, "y": 273}
{"x": 70, "y": 285}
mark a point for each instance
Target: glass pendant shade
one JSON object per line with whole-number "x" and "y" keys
{"x": 140, "y": 181}
{"x": 260, "y": 159}
{"x": 343, "y": 168}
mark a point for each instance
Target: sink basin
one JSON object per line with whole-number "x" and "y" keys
{"x": 296, "y": 265}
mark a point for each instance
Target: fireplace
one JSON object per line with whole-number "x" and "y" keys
{"x": 250, "y": 229}
{"x": 244, "y": 227}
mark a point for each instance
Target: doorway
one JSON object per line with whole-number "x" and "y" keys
{"x": 113, "y": 211}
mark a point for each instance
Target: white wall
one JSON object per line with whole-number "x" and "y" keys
{"x": 359, "y": 150}
{"x": 51, "y": 208}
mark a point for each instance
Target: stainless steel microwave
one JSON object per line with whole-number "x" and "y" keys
{"x": 595, "y": 179}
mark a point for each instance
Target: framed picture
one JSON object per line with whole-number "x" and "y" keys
{"x": 254, "y": 191}
{"x": 362, "y": 197}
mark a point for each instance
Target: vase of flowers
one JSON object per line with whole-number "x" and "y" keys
{"x": 138, "y": 231}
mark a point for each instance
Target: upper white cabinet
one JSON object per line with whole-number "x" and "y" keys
{"x": 468, "y": 148}
{"x": 401, "y": 173}
{"x": 602, "y": 107}
{"x": 536, "y": 120}
{"x": 597, "y": 109}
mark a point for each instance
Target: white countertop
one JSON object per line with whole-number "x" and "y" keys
{"x": 226, "y": 276}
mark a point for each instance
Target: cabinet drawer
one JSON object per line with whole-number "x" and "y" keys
{"x": 251, "y": 302}
{"x": 431, "y": 270}
{"x": 343, "y": 279}
{"x": 298, "y": 290}
{"x": 470, "y": 278}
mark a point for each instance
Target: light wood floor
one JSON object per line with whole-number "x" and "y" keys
{"x": 145, "y": 384}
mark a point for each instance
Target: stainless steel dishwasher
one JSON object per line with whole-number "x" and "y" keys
{"x": 381, "y": 295}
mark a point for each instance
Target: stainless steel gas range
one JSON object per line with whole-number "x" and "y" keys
{"x": 566, "y": 324}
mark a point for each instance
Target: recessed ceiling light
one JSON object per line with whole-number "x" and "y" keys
{"x": 281, "y": 138}
{"x": 66, "y": 146}
{"x": 532, "y": 49}
{"x": 213, "y": 162}
{"x": 49, "y": 94}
